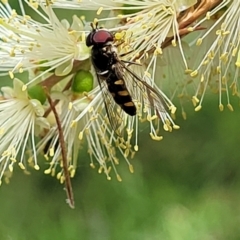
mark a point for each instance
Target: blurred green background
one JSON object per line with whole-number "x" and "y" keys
{"x": 184, "y": 187}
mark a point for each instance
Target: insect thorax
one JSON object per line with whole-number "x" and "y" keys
{"x": 104, "y": 57}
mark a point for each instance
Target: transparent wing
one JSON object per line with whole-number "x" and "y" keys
{"x": 142, "y": 93}
{"x": 114, "y": 112}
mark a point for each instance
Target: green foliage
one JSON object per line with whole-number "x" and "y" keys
{"x": 185, "y": 187}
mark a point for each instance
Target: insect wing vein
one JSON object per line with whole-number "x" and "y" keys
{"x": 141, "y": 91}
{"x": 114, "y": 112}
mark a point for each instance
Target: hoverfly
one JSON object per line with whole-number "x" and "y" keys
{"x": 117, "y": 81}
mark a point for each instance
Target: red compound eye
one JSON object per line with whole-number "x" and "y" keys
{"x": 102, "y": 36}
{"x": 99, "y": 37}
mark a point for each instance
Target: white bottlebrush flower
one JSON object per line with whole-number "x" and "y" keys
{"x": 146, "y": 29}
{"x": 53, "y": 53}
{"x": 46, "y": 45}
{"x": 83, "y": 4}
{"x": 82, "y": 121}
{"x": 114, "y": 4}
{"x": 154, "y": 25}
{"x": 216, "y": 54}
{"x": 155, "y": 35}
{"x": 19, "y": 118}
{"x": 29, "y": 45}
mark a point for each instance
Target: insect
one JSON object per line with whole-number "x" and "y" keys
{"x": 117, "y": 81}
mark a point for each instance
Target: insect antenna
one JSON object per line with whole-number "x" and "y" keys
{"x": 94, "y": 25}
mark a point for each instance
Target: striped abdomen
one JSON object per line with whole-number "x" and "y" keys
{"x": 120, "y": 94}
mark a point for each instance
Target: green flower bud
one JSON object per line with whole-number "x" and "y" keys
{"x": 43, "y": 69}
{"x": 82, "y": 82}
{"x": 37, "y": 92}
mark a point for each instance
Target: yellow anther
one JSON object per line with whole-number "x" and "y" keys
{"x": 100, "y": 169}
{"x": 123, "y": 146}
{"x": 166, "y": 127}
{"x": 187, "y": 71}
{"x": 155, "y": 137}
{"x": 205, "y": 62}
{"x": 99, "y": 11}
{"x": 92, "y": 165}
{"x": 95, "y": 21}
{"x": 73, "y": 124}
{"x": 62, "y": 179}
{"x": 211, "y": 55}
{"x": 82, "y": 17}
{"x": 126, "y": 153}
{"x": 116, "y": 161}
{"x": 174, "y": 44}
{"x": 10, "y": 167}
{"x": 70, "y": 168}
{"x": 176, "y": 127}
{"x": 198, "y": 108}
{"x": 53, "y": 172}
{"x": 129, "y": 131}
{"x": 149, "y": 118}
{"x": 218, "y": 32}
{"x": 119, "y": 178}
{"x": 195, "y": 100}
{"x": 230, "y": 107}
{"x": 208, "y": 15}
{"x": 47, "y": 171}
{"x": 237, "y": 64}
{"x": 13, "y": 159}
{"x": 72, "y": 173}
{"x": 148, "y": 74}
{"x": 221, "y": 107}
{"x": 226, "y": 33}
{"x": 234, "y": 52}
{"x": 131, "y": 169}
{"x": 158, "y": 50}
{"x": 51, "y": 152}
{"x": 59, "y": 175}
{"x": 194, "y": 73}
{"x": 11, "y": 75}
{"x": 173, "y": 109}
{"x": 190, "y": 29}
{"x": 80, "y": 136}
{"x": 154, "y": 117}
{"x": 136, "y": 148}
{"x": 70, "y": 105}
{"x": 36, "y": 167}
{"x": 184, "y": 115}
{"x": 12, "y": 53}
{"x": 21, "y": 166}
{"x": 238, "y": 60}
